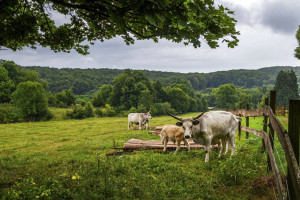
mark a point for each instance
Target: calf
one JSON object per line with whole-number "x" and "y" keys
{"x": 175, "y": 134}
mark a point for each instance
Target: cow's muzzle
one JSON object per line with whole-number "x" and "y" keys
{"x": 187, "y": 136}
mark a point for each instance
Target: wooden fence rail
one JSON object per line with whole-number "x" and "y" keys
{"x": 275, "y": 170}
{"x": 285, "y": 142}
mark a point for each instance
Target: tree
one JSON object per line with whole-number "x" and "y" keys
{"x": 146, "y": 99}
{"x": 245, "y": 99}
{"x": 226, "y": 96}
{"x": 128, "y": 87}
{"x": 297, "y": 50}
{"x": 101, "y": 97}
{"x": 64, "y": 98}
{"x": 179, "y": 100}
{"x": 6, "y": 86}
{"x": 286, "y": 87}
{"x": 29, "y": 23}
{"x": 30, "y": 101}
{"x": 159, "y": 91}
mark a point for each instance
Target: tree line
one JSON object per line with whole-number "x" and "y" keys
{"x": 24, "y": 96}
{"x": 87, "y": 81}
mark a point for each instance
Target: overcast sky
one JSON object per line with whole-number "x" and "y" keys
{"x": 267, "y": 28}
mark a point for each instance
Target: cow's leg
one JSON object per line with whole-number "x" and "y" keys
{"x": 232, "y": 143}
{"x": 140, "y": 125}
{"x": 187, "y": 144}
{"x": 128, "y": 125}
{"x": 226, "y": 148}
{"x": 207, "y": 148}
{"x": 222, "y": 147}
{"x": 165, "y": 142}
{"x": 178, "y": 146}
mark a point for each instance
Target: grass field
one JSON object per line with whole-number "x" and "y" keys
{"x": 66, "y": 159}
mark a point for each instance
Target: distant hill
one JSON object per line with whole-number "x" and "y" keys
{"x": 84, "y": 81}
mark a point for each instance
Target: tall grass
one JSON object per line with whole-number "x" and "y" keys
{"x": 67, "y": 160}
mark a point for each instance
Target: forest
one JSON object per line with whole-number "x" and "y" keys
{"x": 85, "y": 81}
{"x": 28, "y": 92}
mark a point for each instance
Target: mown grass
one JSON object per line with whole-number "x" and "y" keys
{"x": 67, "y": 160}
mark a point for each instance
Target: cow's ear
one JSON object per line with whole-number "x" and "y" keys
{"x": 179, "y": 123}
{"x": 195, "y": 122}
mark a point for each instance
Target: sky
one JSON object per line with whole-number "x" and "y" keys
{"x": 267, "y": 38}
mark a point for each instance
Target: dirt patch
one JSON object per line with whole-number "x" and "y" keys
{"x": 265, "y": 184}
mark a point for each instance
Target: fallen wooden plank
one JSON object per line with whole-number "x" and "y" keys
{"x": 133, "y": 144}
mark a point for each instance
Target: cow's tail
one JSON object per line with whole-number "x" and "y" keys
{"x": 239, "y": 123}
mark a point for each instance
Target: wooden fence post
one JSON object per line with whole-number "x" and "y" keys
{"x": 283, "y": 110}
{"x": 271, "y": 130}
{"x": 240, "y": 107}
{"x": 247, "y": 121}
{"x": 294, "y": 131}
{"x": 265, "y": 126}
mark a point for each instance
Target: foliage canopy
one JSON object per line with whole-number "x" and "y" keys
{"x": 31, "y": 23}
{"x": 286, "y": 87}
{"x": 297, "y": 50}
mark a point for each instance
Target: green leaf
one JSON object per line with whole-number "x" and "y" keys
{"x": 150, "y": 19}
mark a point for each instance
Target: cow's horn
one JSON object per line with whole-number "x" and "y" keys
{"x": 174, "y": 116}
{"x": 149, "y": 110}
{"x": 194, "y": 118}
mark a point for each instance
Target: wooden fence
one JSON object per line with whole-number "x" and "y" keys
{"x": 291, "y": 150}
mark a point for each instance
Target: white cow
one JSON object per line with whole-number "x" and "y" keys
{"x": 208, "y": 128}
{"x": 139, "y": 119}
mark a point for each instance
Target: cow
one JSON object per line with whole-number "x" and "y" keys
{"x": 139, "y": 119}
{"x": 210, "y": 127}
{"x": 175, "y": 134}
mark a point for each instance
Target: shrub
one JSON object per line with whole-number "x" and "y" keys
{"x": 77, "y": 113}
{"x": 7, "y": 114}
{"x": 89, "y": 112}
{"x": 82, "y": 103}
{"x": 106, "y": 111}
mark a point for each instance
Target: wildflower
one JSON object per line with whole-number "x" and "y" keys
{"x": 73, "y": 177}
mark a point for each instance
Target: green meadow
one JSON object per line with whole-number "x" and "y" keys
{"x": 66, "y": 159}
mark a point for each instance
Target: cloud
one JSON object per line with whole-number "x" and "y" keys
{"x": 281, "y": 16}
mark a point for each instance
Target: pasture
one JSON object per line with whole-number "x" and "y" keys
{"x": 66, "y": 159}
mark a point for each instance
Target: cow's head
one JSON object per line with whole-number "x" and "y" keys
{"x": 148, "y": 115}
{"x": 187, "y": 123}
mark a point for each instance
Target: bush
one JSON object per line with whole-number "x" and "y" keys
{"x": 77, "y": 113}
{"x": 106, "y": 111}
{"x": 131, "y": 110}
{"x": 7, "y": 114}
{"x": 82, "y": 103}
{"x": 89, "y": 112}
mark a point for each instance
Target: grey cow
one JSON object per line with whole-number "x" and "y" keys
{"x": 139, "y": 119}
{"x": 208, "y": 128}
